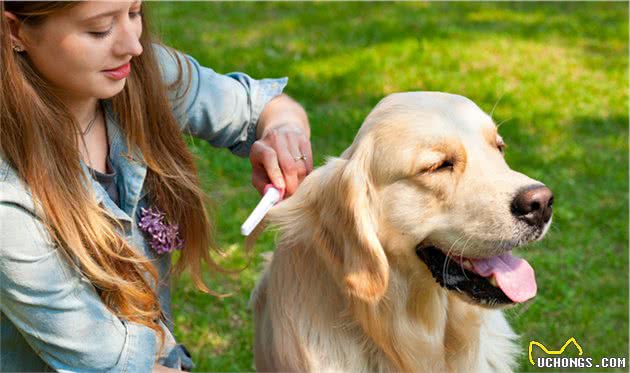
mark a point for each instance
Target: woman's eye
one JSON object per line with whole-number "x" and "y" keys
{"x": 101, "y": 34}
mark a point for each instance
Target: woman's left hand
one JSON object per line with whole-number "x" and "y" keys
{"x": 282, "y": 154}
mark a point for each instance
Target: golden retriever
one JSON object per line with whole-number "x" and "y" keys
{"x": 396, "y": 256}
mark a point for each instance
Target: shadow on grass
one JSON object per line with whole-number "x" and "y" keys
{"x": 304, "y": 31}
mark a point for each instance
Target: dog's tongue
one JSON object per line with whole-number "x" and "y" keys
{"x": 514, "y": 275}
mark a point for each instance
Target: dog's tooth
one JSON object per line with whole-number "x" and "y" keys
{"x": 467, "y": 265}
{"x": 493, "y": 281}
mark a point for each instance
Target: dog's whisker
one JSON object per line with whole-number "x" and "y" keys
{"x": 448, "y": 252}
{"x": 462, "y": 253}
{"x": 446, "y": 262}
{"x": 461, "y": 258}
{"x": 496, "y": 103}
{"x": 503, "y": 121}
{"x": 461, "y": 262}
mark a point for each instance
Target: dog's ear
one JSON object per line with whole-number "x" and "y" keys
{"x": 365, "y": 270}
{"x": 333, "y": 211}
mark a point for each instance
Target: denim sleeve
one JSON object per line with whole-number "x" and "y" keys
{"x": 221, "y": 109}
{"x": 58, "y": 311}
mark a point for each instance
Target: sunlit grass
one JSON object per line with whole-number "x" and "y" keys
{"x": 557, "y": 74}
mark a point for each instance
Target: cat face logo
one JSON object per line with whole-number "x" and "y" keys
{"x": 552, "y": 352}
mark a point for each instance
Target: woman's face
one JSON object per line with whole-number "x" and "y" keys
{"x": 74, "y": 48}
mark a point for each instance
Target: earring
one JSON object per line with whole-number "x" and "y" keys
{"x": 17, "y": 49}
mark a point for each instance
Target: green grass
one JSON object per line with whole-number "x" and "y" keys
{"x": 558, "y": 74}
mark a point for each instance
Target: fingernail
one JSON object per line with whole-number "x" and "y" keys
{"x": 280, "y": 183}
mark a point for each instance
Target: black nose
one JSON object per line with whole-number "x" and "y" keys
{"x": 533, "y": 204}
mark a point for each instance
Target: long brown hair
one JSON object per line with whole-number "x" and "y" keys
{"x": 38, "y": 138}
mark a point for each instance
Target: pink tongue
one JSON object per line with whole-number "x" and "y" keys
{"x": 514, "y": 275}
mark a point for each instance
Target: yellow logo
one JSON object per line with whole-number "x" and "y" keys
{"x": 552, "y": 352}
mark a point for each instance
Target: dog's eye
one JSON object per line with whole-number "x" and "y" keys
{"x": 501, "y": 145}
{"x": 444, "y": 165}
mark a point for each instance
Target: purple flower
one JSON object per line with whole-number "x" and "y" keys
{"x": 164, "y": 237}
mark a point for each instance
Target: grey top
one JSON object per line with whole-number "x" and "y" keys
{"x": 108, "y": 180}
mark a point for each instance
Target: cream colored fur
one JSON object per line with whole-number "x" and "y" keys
{"x": 345, "y": 290}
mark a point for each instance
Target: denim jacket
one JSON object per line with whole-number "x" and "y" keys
{"x": 52, "y": 317}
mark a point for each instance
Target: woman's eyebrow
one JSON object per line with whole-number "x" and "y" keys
{"x": 106, "y": 14}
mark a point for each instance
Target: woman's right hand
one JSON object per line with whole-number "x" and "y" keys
{"x": 157, "y": 368}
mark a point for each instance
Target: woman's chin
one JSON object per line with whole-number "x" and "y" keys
{"x": 111, "y": 89}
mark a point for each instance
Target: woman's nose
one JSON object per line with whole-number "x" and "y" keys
{"x": 128, "y": 42}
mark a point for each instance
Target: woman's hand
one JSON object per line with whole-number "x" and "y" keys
{"x": 282, "y": 154}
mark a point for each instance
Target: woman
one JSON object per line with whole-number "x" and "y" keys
{"x": 97, "y": 187}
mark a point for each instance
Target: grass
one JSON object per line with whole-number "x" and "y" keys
{"x": 558, "y": 75}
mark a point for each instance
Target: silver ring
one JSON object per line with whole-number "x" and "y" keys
{"x": 302, "y": 157}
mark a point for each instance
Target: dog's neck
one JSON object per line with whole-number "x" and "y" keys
{"x": 416, "y": 328}
{"x": 422, "y": 328}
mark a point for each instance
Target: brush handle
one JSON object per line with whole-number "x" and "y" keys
{"x": 270, "y": 198}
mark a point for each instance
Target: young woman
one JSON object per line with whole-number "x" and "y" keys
{"x": 97, "y": 187}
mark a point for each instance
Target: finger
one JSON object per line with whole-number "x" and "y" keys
{"x": 267, "y": 159}
{"x": 287, "y": 164}
{"x": 305, "y": 148}
{"x": 255, "y": 158}
{"x": 260, "y": 179}
{"x": 300, "y": 165}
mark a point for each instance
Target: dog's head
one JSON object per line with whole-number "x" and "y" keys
{"x": 425, "y": 184}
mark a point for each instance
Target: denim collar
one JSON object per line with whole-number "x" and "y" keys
{"x": 130, "y": 167}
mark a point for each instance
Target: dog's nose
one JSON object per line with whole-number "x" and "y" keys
{"x": 533, "y": 204}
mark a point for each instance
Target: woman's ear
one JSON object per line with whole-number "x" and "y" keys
{"x": 15, "y": 26}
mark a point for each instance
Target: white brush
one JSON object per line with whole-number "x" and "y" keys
{"x": 271, "y": 197}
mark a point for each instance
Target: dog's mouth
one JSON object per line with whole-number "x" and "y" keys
{"x": 496, "y": 281}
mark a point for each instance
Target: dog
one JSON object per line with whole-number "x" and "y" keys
{"x": 396, "y": 256}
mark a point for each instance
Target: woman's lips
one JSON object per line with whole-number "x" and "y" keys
{"x": 119, "y": 72}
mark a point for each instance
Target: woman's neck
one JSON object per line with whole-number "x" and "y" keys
{"x": 82, "y": 108}
{"x": 92, "y": 139}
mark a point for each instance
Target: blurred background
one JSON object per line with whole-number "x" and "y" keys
{"x": 555, "y": 76}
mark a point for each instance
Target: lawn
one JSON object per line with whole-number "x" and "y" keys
{"x": 558, "y": 76}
